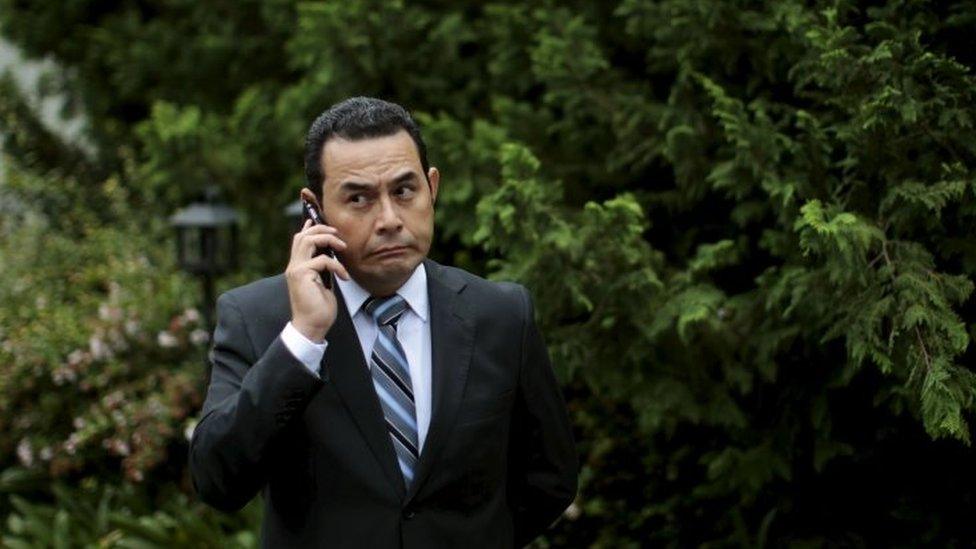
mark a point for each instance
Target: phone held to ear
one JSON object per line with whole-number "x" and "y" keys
{"x": 312, "y": 212}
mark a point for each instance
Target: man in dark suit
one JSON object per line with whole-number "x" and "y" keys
{"x": 414, "y": 404}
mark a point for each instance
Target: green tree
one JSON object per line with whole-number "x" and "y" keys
{"x": 748, "y": 226}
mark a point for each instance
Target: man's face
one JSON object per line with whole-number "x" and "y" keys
{"x": 376, "y": 196}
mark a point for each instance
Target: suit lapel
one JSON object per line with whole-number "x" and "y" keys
{"x": 344, "y": 365}
{"x": 452, "y": 342}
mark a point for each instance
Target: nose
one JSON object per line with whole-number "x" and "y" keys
{"x": 389, "y": 219}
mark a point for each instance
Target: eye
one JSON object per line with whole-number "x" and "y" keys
{"x": 405, "y": 191}
{"x": 357, "y": 198}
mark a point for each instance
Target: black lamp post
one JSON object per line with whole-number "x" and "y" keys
{"x": 295, "y": 214}
{"x": 206, "y": 243}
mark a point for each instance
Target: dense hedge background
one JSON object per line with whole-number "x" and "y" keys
{"x": 749, "y": 229}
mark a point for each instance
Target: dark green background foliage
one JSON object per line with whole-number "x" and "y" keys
{"x": 748, "y": 227}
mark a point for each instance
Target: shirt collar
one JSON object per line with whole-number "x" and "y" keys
{"x": 413, "y": 291}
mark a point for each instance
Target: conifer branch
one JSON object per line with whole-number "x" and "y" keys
{"x": 887, "y": 258}
{"x": 925, "y": 355}
{"x": 918, "y": 333}
{"x": 945, "y": 144}
{"x": 875, "y": 260}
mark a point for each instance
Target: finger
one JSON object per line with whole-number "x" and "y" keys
{"x": 323, "y": 262}
{"x": 297, "y": 237}
{"x": 319, "y": 229}
{"x": 330, "y": 240}
{"x": 310, "y": 245}
{"x": 304, "y": 243}
{"x": 312, "y": 230}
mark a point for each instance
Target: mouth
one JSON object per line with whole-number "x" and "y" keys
{"x": 390, "y": 251}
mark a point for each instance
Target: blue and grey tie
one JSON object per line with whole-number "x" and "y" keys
{"x": 391, "y": 378}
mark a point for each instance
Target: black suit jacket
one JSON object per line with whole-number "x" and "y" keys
{"x": 497, "y": 467}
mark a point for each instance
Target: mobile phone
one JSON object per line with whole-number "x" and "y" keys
{"x": 313, "y": 213}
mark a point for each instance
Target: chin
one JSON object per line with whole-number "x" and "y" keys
{"x": 394, "y": 267}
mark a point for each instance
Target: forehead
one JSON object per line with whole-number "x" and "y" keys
{"x": 372, "y": 159}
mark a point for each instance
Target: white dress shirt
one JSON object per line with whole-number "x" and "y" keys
{"x": 413, "y": 332}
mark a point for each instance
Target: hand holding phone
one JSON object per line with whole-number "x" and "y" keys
{"x": 312, "y": 212}
{"x": 309, "y": 273}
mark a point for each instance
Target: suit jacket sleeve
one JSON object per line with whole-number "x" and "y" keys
{"x": 250, "y": 401}
{"x": 543, "y": 479}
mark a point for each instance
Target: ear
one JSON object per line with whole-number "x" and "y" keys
{"x": 433, "y": 180}
{"x": 307, "y": 194}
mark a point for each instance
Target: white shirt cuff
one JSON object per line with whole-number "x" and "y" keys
{"x": 302, "y": 348}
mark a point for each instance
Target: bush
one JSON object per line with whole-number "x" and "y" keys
{"x": 124, "y": 516}
{"x": 748, "y": 226}
{"x": 103, "y": 356}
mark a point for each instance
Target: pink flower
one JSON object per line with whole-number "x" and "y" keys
{"x": 61, "y": 374}
{"x": 76, "y": 357}
{"x": 166, "y": 340}
{"x": 109, "y": 312}
{"x": 191, "y": 315}
{"x": 131, "y": 327}
{"x": 199, "y": 336}
{"x": 24, "y": 453}
{"x": 121, "y": 447}
{"x": 113, "y": 399}
{"x": 99, "y": 349}
{"x": 71, "y": 445}
{"x": 119, "y": 418}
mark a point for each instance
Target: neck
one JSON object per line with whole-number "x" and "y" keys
{"x": 381, "y": 287}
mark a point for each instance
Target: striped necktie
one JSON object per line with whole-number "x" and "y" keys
{"x": 391, "y": 378}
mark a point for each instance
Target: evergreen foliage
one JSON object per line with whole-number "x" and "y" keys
{"x": 748, "y": 227}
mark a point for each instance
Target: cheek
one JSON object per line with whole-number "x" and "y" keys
{"x": 353, "y": 234}
{"x": 356, "y": 243}
{"x": 429, "y": 227}
{"x": 422, "y": 223}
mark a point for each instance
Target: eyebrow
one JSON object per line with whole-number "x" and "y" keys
{"x": 358, "y": 186}
{"x": 354, "y": 186}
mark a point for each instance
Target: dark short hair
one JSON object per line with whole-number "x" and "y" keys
{"x": 353, "y": 119}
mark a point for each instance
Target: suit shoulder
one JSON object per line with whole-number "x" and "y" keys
{"x": 262, "y": 306}
{"x": 501, "y": 296}
{"x": 481, "y": 284}
{"x": 257, "y": 293}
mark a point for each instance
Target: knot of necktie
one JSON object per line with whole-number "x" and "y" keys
{"x": 385, "y": 310}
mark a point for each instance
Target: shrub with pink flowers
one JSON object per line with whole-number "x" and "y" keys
{"x": 102, "y": 350}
